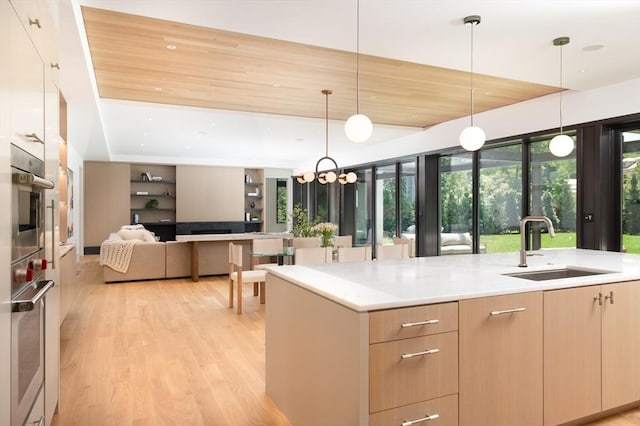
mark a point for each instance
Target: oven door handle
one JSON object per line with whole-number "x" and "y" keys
{"x": 28, "y": 304}
{"x": 32, "y": 180}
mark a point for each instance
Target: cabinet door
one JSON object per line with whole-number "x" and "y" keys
{"x": 572, "y": 348}
{"x": 26, "y": 73}
{"x": 501, "y": 360}
{"x": 620, "y": 344}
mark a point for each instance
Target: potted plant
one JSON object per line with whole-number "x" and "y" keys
{"x": 301, "y": 225}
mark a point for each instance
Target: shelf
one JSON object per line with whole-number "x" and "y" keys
{"x": 252, "y": 221}
{"x": 154, "y": 195}
{"x": 257, "y": 197}
{"x": 171, "y": 182}
{"x": 253, "y": 183}
{"x": 156, "y": 209}
{"x": 254, "y": 209}
{"x": 172, "y": 223}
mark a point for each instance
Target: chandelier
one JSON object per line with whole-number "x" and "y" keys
{"x": 331, "y": 175}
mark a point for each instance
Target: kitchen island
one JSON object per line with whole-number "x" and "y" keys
{"x": 454, "y": 340}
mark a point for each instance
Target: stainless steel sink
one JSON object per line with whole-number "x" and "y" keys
{"x": 556, "y": 274}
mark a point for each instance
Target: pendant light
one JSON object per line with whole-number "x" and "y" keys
{"x": 330, "y": 176}
{"x": 358, "y": 127}
{"x": 472, "y": 138}
{"x": 561, "y": 145}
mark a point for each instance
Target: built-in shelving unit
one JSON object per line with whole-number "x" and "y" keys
{"x": 153, "y": 198}
{"x": 253, "y": 199}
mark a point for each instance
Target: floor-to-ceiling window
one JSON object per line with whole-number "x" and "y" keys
{"x": 385, "y": 208}
{"x": 500, "y": 198}
{"x": 456, "y": 204}
{"x": 363, "y": 207}
{"x": 552, "y": 193}
{"x": 631, "y": 191}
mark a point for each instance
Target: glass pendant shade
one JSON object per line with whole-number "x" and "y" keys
{"x": 472, "y": 138}
{"x": 308, "y": 177}
{"x": 561, "y": 145}
{"x": 358, "y": 128}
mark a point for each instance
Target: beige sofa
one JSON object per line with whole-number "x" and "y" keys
{"x": 132, "y": 254}
{"x": 152, "y": 260}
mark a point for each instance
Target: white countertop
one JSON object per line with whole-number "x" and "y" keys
{"x": 233, "y": 237}
{"x": 373, "y": 285}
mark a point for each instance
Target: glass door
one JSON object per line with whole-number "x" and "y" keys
{"x": 631, "y": 191}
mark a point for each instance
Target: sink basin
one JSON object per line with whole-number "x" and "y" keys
{"x": 556, "y": 274}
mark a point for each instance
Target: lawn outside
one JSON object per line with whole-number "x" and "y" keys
{"x": 511, "y": 242}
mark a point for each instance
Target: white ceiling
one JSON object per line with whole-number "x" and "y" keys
{"x": 513, "y": 41}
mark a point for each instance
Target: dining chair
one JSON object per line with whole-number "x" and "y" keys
{"x": 409, "y": 242}
{"x": 239, "y": 277}
{"x": 342, "y": 241}
{"x": 262, "y": 247}
{"x": 354, "y": 254}
{"x": 312, "y": 255}
{"x": 392, "y": 251}
{"x": 305, "y": 242}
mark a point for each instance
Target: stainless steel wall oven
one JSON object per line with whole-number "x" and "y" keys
{"x": 28, "y": 283}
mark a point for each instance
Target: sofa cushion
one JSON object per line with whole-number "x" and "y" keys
{"x": 137, "y": 234}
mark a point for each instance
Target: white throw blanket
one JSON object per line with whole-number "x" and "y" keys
{"x": 116, "y": 254}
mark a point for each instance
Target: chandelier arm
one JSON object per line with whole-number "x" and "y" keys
{"x": 326, "y": 157}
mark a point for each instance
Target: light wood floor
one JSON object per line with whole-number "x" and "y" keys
{"x": 165, "y": 352}
{"x": 169, "y": 352}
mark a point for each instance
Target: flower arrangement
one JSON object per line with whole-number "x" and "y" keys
{"x": 326, "y": 230}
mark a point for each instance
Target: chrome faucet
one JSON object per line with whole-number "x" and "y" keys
{"x": 523, "y": 235}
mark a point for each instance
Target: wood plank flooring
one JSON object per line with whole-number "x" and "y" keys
{"x": 165, "y": 352}
{"x": 169, "y": 352}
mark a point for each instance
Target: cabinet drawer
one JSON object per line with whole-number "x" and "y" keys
{"x": 446, "y": 410}
{"x": 403, "y": 323}
{"x": 412, "y": 370}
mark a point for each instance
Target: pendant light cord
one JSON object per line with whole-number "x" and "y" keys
{"x": 471, "y": 78}
{"x": 326, "y": 121}
{"x": 358, "y": 57}
{"x": 561, "y": 88}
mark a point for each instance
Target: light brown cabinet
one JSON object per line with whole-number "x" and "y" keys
{"x": 501, "y": 360}
{"x": 106, "y": 200}
{"x": 591, "y": 350}
{"x": 413, "y": 364}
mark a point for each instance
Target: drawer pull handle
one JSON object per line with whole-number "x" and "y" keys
{"x": 413, "y": 324}
{"x": 420, "y": 420}
{"x": 508, "y": 311}
{"x": 425, "y": 352}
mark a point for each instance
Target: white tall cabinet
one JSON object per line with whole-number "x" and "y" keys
{"x": 29, "y": 118}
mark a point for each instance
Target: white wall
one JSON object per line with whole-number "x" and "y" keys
{"x": 525, "y": 117}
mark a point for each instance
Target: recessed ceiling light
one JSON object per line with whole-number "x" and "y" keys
{"x": 171, "y": 46}
{"x": 145, "y": 134}
{"x": 276, "y": 85}
{"x": 158, "y": 89}
{"x": 141, "y": 145}
{"x": 149, "y": 119}
{"x": 593, "y": 47}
